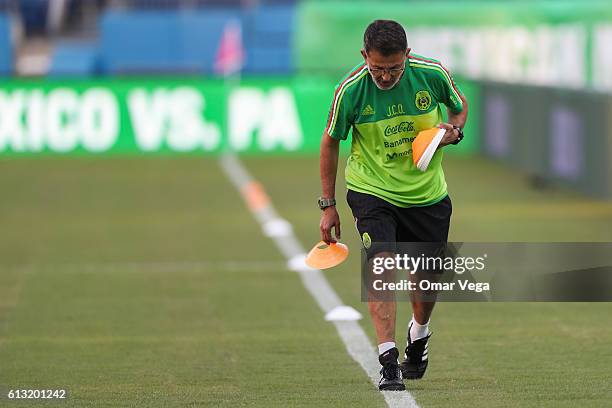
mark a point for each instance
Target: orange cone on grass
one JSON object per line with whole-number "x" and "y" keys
{"x": 323, "y": 256}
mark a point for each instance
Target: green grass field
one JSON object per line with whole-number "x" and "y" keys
{"x": 147, "y": 282}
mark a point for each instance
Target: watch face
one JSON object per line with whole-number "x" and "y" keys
{"x": 325, "y": 202}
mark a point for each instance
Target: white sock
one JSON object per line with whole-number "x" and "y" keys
{"x": 417, "y": 331}
{"x": 386, "y": 346}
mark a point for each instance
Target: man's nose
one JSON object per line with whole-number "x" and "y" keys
{"x": 386, "y": 76}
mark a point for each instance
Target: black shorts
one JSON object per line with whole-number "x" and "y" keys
{"x": 380, "y": 223}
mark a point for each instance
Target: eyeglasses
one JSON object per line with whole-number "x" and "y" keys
{"x": 381, "y": 71}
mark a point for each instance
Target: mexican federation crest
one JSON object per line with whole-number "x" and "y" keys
{"x": 422, "y": 100}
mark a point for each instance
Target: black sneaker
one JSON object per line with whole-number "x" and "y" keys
{"x": 390, "y": 373}
{"x": 415, "y": 364}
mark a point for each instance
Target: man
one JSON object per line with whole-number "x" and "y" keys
{"x": 387, "y": 100}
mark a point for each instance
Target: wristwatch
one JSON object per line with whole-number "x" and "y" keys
{"x": 461, "y": 135}
{"x": 326, "y": 202}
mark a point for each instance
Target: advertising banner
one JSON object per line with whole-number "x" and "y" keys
{"x": 162, "y": 115}
{"x": 562, "y": 44}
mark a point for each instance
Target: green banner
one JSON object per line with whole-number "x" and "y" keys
{"x": 161, "y": 115}
{"x": 552, "y": 43}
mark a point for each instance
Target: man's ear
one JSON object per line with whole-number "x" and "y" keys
{"x": 407, "y": 52}
{"x": 364, "y": 55}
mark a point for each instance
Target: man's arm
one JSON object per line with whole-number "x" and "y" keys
{"x": 328, "y": 167}
{"x": 458, "y": 119}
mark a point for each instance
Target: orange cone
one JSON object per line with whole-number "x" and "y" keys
{"x": 323, "y": 256}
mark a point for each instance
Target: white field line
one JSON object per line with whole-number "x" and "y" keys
{"x": 355, "y": 340}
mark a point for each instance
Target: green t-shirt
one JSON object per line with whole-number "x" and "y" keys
{"x": 384, "y": 124}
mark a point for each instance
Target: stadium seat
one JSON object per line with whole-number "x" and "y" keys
{"x": 34, "y": 15}
{"x": 269, "y": 40}
{"x": 268, "y": 60}
{"x": 74, "y": 59}
{"x": 175, "y": 4}
{"x": 273, "y": 19}
{"x": 162, "y": 41}
{"x": 6, "y": 46}
{"x": 138, "y": 41}
{"x": 200, "y": 35}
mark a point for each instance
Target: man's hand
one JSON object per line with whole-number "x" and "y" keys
{"x": 450, "y": 136}
{"x": 330, "y": 219}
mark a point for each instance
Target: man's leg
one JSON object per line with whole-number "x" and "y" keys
{"x": 422, "y": 306}
{"x": 382, "y": 309}
{"x": 382, "y": 306}
{"x": 383, "y": 317}
{"x": 422, "y": 224}
{"x": 421, "y": 312}
{"x": 376, "y": 225}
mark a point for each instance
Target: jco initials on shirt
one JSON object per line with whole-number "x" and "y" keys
{"x": 394, "y": 110}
